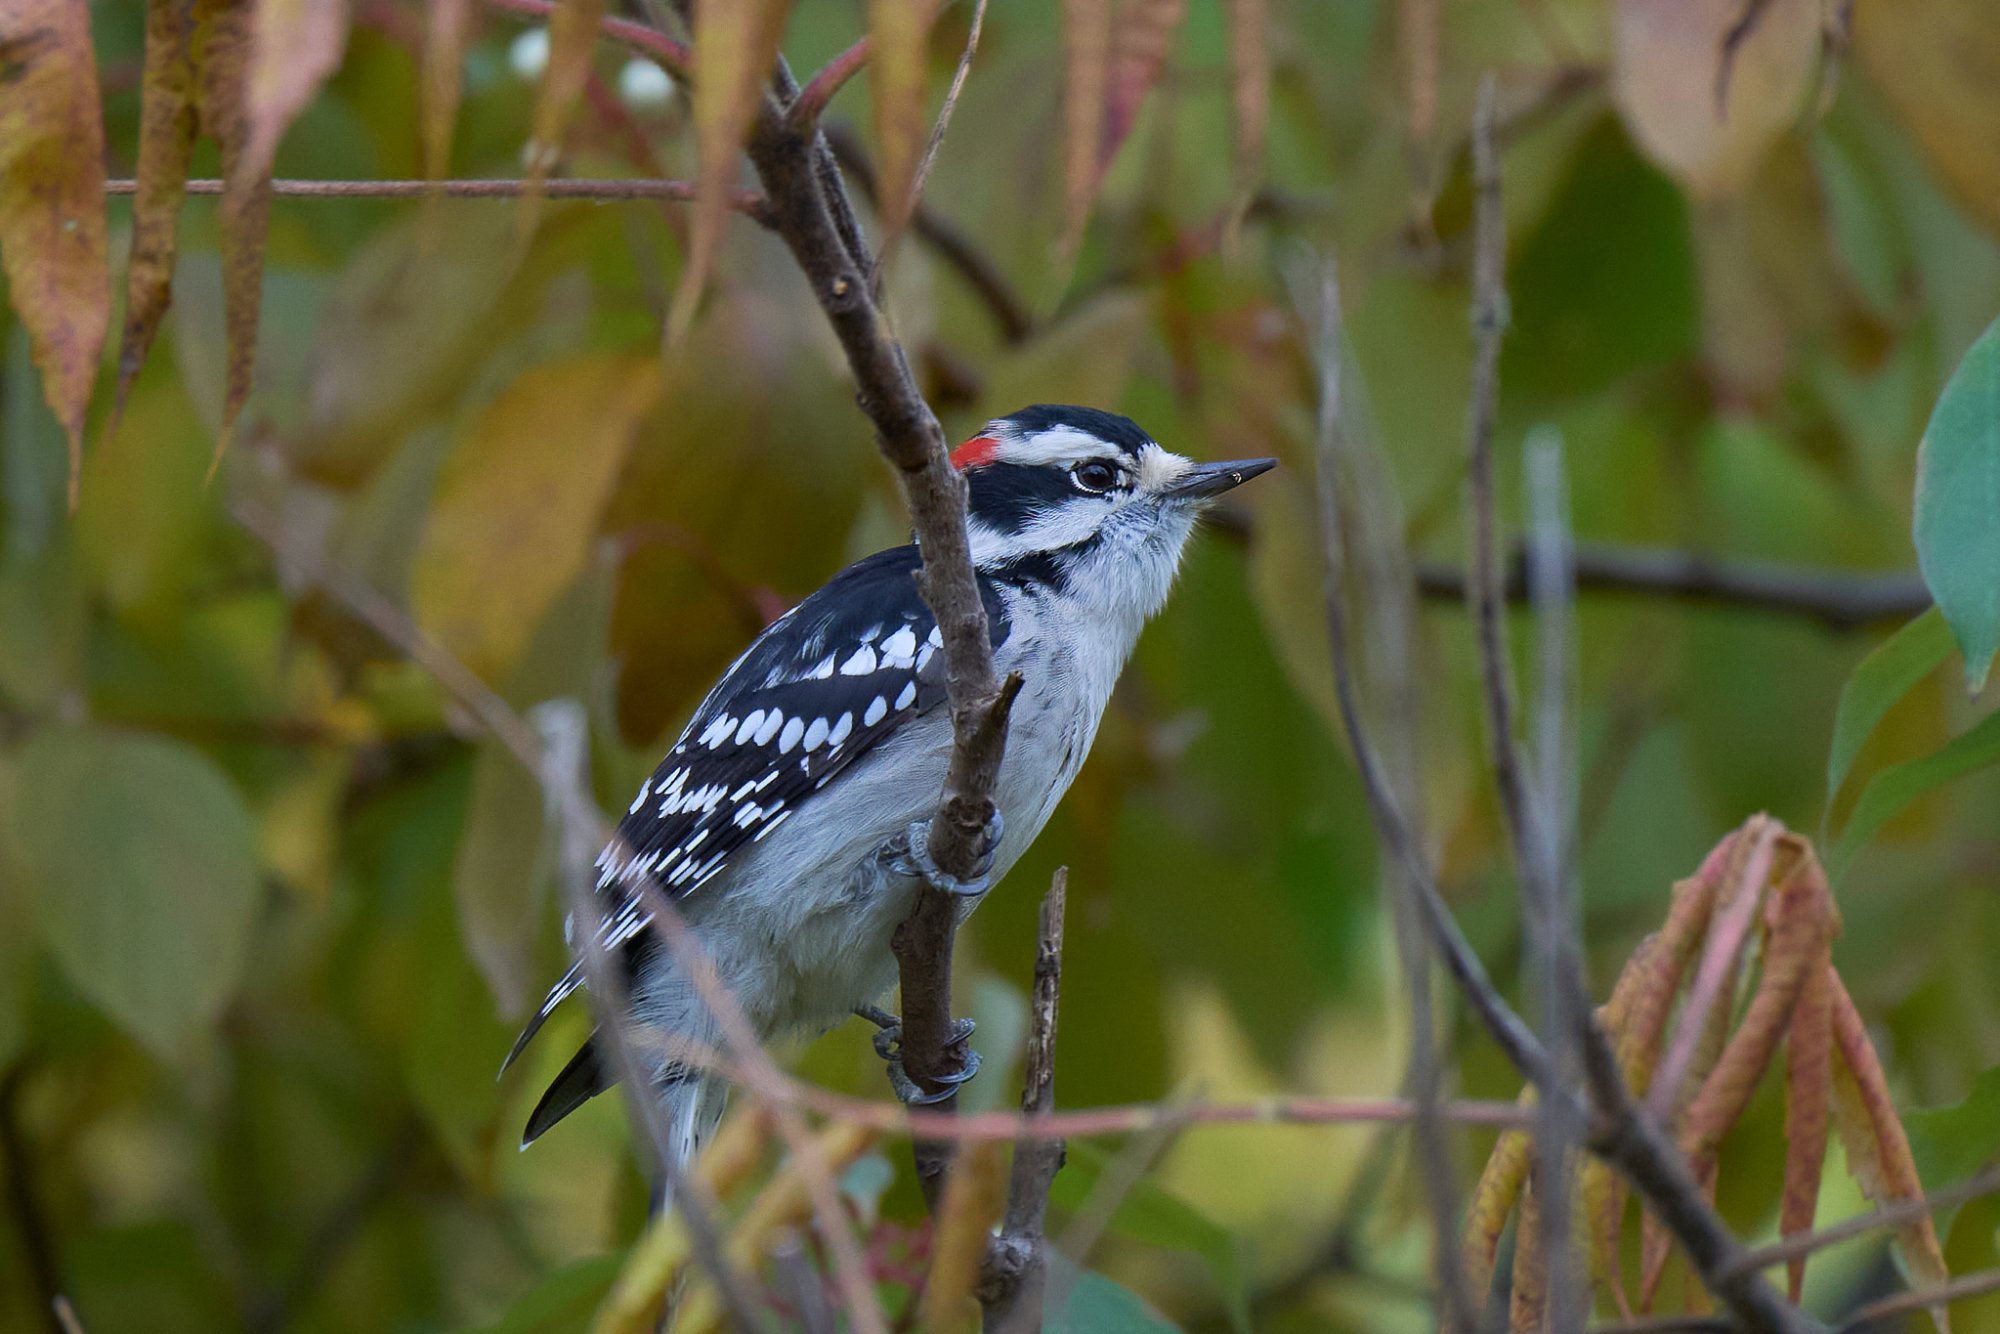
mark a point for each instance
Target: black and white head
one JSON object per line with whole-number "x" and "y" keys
{"x": 1086, "y": 500}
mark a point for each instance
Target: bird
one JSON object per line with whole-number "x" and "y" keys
{"x": 788, "y": 820}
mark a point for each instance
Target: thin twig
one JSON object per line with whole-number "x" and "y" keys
{"x": 1890, "y": 1215}
{"x": 1837, "y": 599}
{"x": 800, "y": 1284}
{"x": 1011, "y": 1286}
{"x": 831, "y": 77}
{"x": 900, "y": 211}
{"x": 747, "y": 202}
{"x": 38, "y": 1246}
{"x": 1970, "y": 1285}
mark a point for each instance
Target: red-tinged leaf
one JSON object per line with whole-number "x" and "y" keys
{"x": 1493, "y": 1200}
{"x": 1603, "y": 1196}
{"x": 1086, "y": 77}
{"x": 899, "y": 38}
{"x": 1528, "y": 1302}
{"x": 1878, "y": 1150}
{"x": 1661, "y": 967}
{"x": 52, "y": 229}
{"x": 444, "y": 59}
{"x": 735, "y": 43}
{"x": 1808, "y": 1093}
{"x": 572, "y": 40}
{"x": 1250, "y": 87}
{"x": 296, "y": 47}
{"x": 166, "y": 141}
{"x": 222, "y": 45}
{"x": 1799, "y": 933}
{"x": 1140, "y": 47}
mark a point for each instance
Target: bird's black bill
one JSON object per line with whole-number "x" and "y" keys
{"x": 1212, "y": 479}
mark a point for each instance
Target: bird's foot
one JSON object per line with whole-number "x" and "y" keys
{"x": 910, "y": 854}
{"x": 888, "y": 1045}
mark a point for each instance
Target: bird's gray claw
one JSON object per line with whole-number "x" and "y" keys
{"x": 911, "y": 855}
{"x": 888, "y": 1039}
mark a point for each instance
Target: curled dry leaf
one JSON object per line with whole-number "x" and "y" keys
{"x": 1086, "y": 76}
{"x": 899, "y": 34}
{"x": 1878, "y": 1149}
{"x": 52, "y": 230}
{"x": 222, "y": 45}
{"x": 1528, "y": 1299}
{"x": 1808, "y": 1091}
{"x": 735, "y": 43}
{"x": 166, "y": 142}
{"x": 1666, "y": 69}
{"x": 1493, "y": 1201}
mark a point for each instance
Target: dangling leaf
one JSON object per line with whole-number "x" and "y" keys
{"x": 222, "y": 45}
{"x": 899, "y": 42}
{"x": 1250, "y": 85}
{"x": 1140, "y": 46}
{"x": 166, "y": 142}
{"x": 1890, "y": 791}
{"x": 52, "y": 228}
{"x": 1086, "y": 76}
{"x": 572, "y": 40}
{"x": 296, "y": 46}
{"x": 735, "y": 45}
{"x": 1808, "y": 1094}
{"x": 444, "y": 58}
{"x": 1958, "y": 505}
{"x": 1493, "y": 1200}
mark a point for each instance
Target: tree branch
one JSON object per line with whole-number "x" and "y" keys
{"x": 1010, "y": 1291}
{"x": 831, "y": 77}
{"x": 747, "y": 202}
{"x": 810, "y": 212}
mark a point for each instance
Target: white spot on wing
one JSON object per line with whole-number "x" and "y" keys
{"x": 751, "y": 723}
{"x": 816, "y": 734}
{"x": 877, "y": 709}
{"x": 841, "y": 729}
{"x": 644, "y": 789}
{"x": 718, "y": 730}
{"x": 823, "y": 671}
{"x": 908, "y": 697}
{"x": 862, "y": 663}
{"x": 772, "y": 720}
{"x": 900, "y": 649}
{"x": 782, "y": 817}
{"x": 795, "y": 727}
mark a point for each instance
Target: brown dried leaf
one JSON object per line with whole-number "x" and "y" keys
{"x": 222, "y": 47}
{"x": 166, "y": 142}
{"x": 1603, "y": 1214}
{"x": 444, "y": 58}
{"x": 974, "y": 1194}
{"x": 1528, "y": 1302}
{"x": 1659, "y": 970}
{"x": 572, "y": 40}
{"x": 735, "y": 43}
{"x": 1086, "y": 77}
{"x": 1417, "y": 34}
{"x": 514, "y": 518}
{"x": 1139, "y": 50}
{"x": 1665, "y": 79}
{"x": 1937, "y": 63}
{"x": 1493, "y": 1199}
{"x": 1250, "y": 87}
{"x": 1799, "y": 931}
{"x": 52, "y": 229}
{"x": 1878, "y": 1150}
{"x": 296, "y": 47}
{"x": 1808, "y": 1089}
{"x": 899, "y": 42}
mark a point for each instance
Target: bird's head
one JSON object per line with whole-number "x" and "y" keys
{"x": 1088, "y": 500}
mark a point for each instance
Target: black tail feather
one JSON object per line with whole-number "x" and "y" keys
{"x": 582, "y": 1079}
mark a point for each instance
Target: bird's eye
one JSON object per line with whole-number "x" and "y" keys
{"x": 1095, "y": 476}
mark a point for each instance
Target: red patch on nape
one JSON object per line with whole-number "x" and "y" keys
{"x": 974, "y": 452}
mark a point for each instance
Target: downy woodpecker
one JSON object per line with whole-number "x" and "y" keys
{"x": 784, "y": 818}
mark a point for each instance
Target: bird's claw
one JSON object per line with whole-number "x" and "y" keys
{"x": 910, "y": 854}
{"x": 888, "y": 1040}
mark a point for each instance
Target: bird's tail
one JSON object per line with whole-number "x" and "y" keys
{"x": 690, "y": 1103}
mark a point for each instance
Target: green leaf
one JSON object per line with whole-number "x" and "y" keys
{"x": 1958, "y": 505}
{"x": 141, "y": 872}
{"x": 562, "y": 1301}
{"x": 1897, "y": 786}
{"x": 1951, "y": 1143}
{"x": 1883, "y": 678}
{"x": 1094, "y": 1304}
{"x": 1151, "y": 1216}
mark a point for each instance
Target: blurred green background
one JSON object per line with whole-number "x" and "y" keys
{"x": 270, "y": 909}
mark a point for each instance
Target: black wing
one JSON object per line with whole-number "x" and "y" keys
{"x": 821, "y": 686}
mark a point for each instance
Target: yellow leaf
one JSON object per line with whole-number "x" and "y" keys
{"x": 1937, "y": 62}
{"x": 1665, "y": 74}
{"x": 1528, "y": 1301}
{"x": 1493, "y": 1199}
{"x": 735, "y": 45}
{"x": 166, "y": 142}
{"x": 52, "y": 229}
{"x": 899, "y": 40}
{"x": 973, "y": 1196}
{"x": 518, "y": 503}
{"x": 572, "y": 39}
